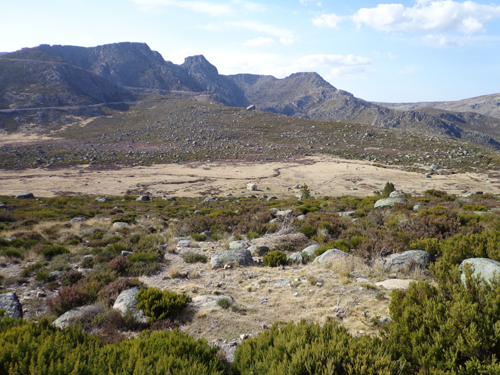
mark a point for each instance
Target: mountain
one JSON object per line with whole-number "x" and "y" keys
{"x": 308, "y": 95}
{"x": 487, "y": 105}
{"x": 135, "y": 65}
{"x": 51, "y": 82}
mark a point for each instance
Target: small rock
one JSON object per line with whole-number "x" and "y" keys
{"x": 25, "y": 196}
{"x": 120, "y": 224}
{"x": 283, "y": 283}
{"x": 78, "y": 219}
{"x": 143, "y": 198}
{"x": 184, "y": 243}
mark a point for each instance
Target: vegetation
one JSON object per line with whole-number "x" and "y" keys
{"x": 159, "y": 304}
{"x": 274, "y": 259}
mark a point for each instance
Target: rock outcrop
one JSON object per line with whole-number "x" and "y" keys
{"x": 240, "y": 257}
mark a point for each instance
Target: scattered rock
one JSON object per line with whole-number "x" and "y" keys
{"x": 211, "y": 199}
{"x": 301, "y": 217}
{"x": 166, "y": 198}
{"x": 482, "y": 267}
{"x": 10, "y": 303}
{"x": 78, "y": 312}
{"x": 207, "y": 301}
{"x": 143, "y": 198}
{"x": 125, "y": 253}
{"x": 346, "y": 213}
{"x": 238, "y": 245}
{"x": 407, "y": 261}
{"x": 296, "y": 258}
{"x": 78, "y": 219}
{"x": 258, "y": 250}
{"x": 126, "y": 301}
{"x": 25, "y": 196}
{"x": 102, "y": 199}
{"x": 389, "y": 202}
{"x": 283, "y": 283}
{"x": 120, "y": 224}
{"x": 240, "y": 257}
{"x": 251, "y": 107}
{"x": 330, "y": 256}
{"x": 184, "y": 243}
{"x": 396, "y": 194}
{"x": 54, "y": 275}
{"x": 309, "y": 250}
{"x": 395, "y": 284}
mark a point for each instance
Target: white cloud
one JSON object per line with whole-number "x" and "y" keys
{"x": 429, "y": 16}
{"x": 260, "y": 42}
{"x": 216, "y": 10}
{"x": 285, "y": 36}
{"x": 327, "y": 20}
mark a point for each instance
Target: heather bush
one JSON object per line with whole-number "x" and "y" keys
{"x": 71, "y": 277}
{"x": 67, "y": 298}
{"x": 110, "y": 292}
{"x": 308, "y": 230}
{"x": 274, "y": 259}
{"x": 32, "y": 268}
{"x": 52, "y": 251}
{"x": 159, "y": 304}
{"x": 119, "y": 264}
{"x": 12, "y": 253}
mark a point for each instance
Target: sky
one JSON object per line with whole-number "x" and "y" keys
{"x": 393, "y": 51}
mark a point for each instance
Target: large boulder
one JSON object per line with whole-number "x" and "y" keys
{"x": 389, "y": 202}
{"x": 330, "y": 256}
{"x": 258, "y": 250}
{"x": 309, "y": 250}
{"x": 407, "y": 261}
{"x": 143, "y": 198}
{"x": 296, "y": 258}
{"x": 482, "y": 267}
{"x": 239, "y": 257}
{"x": 78, "y": 313}
{"x": 10, "y": 303}
{"x": 239, "y": 245}
{"x": 25, "y": 196}
{"x": 127, "y": 301}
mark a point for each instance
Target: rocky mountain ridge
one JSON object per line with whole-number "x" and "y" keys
{"x": 61, "y": 76}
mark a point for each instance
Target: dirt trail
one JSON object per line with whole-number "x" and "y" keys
{"x": 324, "y": 175}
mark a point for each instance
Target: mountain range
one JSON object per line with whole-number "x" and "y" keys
{"x": 63, "y": 77}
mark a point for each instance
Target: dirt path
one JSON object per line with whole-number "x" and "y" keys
{"x": 324, "y": 175}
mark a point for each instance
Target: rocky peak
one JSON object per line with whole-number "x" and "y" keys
{"x": 199, "y": 68}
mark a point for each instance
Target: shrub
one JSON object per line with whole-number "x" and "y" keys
{"x": 159, "y": 304}
{"x": 224, "y": 302}
{"x": 388, "y": 189}
{"x": 12, "y": 253}
{"x": 191, "y": 257}
{"x": 42, "y": 276}
{"x": 28, "y": 271}
{"x": 119, "y": 264}
{"x": 306, "y": 193}
{"x": 110, "y": 292}
{"x": 274, "y": 259}
{"x": 308, "y": 230}
{"x": 67, "y": 298}
{"x": 87, "y": 262}
{"x": 135, "y": 238}
{"x": 252, "y": 235}
{"x": 71, "y": 277}
{"x": 311, "y": 349}
{"x": 474, "y": 207}
{"x": 199, "y": 237}
{"x": 52, "y": 251}
{"x": 143, "y": 257}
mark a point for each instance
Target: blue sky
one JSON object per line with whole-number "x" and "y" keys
{"x": 399, "y": 51}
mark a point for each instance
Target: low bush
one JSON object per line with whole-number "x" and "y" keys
{"x": 274, "y": 259}
{"x": 199, "y": 237}
{"x": 143, "y": 257}
{"x": 311, "y": 349}
{"x": 32, "y": 268}
{"x": 119, "y": 264}
{"x": 52, "y": 251}
{"x": 474, "y": 207}
{"x": 191, "y": 257}
{"x": 71, "y": 277}
{"x": 308, "y": 230}
{"x": 12, "y": 253}
{"x": 67, "y": 298}
{"x": 252, "y": 235}
{"x": 159, "y": 304}
{"x": 224, "y": 302}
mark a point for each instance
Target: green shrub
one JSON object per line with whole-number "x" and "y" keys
{"x": 42, "y": 276}
{"x": 388, "y": 189}
{"x": 311, "y": 349}
{"x": 52, "y": 251}
{"x": 199, "y": 237}
{"x": 41, "y": 348}
{"x": 222, "y": 213}
{"x": 433, "y": 193}
{"x": 474, "y": 207}
{"x": 159, "y": 304}
{"x": 191, "y": 257}
{"x": 29, "y": 270}
{"x": 308, "y": 230}
{"x": 143, "y": 257}
{"x": 274, "y": 259}
{"x": 224, "y": 302}
{"x": 252, "y": 235}
{"x": 135, "y": 238}
{"x": 12, "y": 253}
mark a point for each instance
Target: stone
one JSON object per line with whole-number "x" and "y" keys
{"x": 258, "y": 250}
{"x": 251, "y": 107}
{"x": 389, "y": 202}
{"x": 78, "y": 219}
{"x": 143, "y": 198}
{"x": 208, "y": 302}
{"x": 282, "y": 214}
{"x": 211, "y": 199}
{"x": 10, "y": 303}
{"x": 251, "y": 196}
{"x": 406, "y": 261}
{"x": 346, "y": 213}
{"x": 395, "y": 284}
{"x": 296, "y": 258}
{"x": 120, "y": 224}
{"x": 54, "y": 275}
{"x": 78, "y": 312}
{"x": 301, "y": 217}
{"x": 239, "y": 245}
{"x": 102, "y": 199}
{"x": 309, "y": 250}
{"x": 127, "y": 301}
{"x": 417, "y": 207}
{"x": 25, "y": 196}
{"x": 184, "y": 243}
{"x": 482, "y": 267}
{"x": 125, "y": 253}
{"x": 331, "y": 256}
{"x": 166, "y": 198}
{"x": 396, "y": 194}
{"x": 283, "y": 283}
{"x": 272, "y": 198}
{"x": 239, "y": 257}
